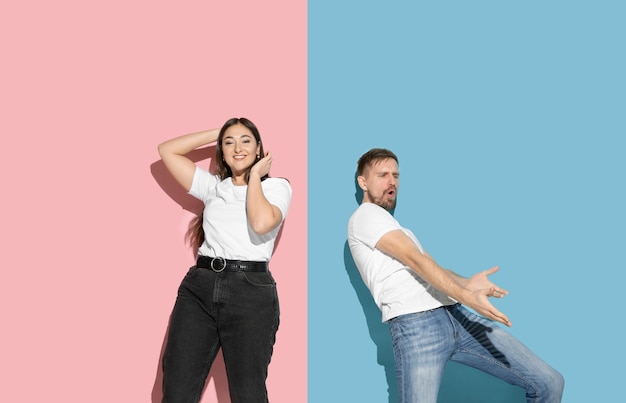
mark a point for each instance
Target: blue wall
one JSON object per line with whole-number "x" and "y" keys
{"x": 509, "y": 122}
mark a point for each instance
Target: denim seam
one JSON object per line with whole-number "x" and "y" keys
{"x": 498, "y": 363}
{"x": 207, "y": 368}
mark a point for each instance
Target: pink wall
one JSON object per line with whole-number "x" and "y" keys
{"x": 92, "y": 245}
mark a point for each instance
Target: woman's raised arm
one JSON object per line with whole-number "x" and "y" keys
{"x": 174, "y": 154}
{"x": 262, "y": 215}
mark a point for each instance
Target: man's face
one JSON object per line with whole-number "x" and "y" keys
{"x": 380, "y": 183}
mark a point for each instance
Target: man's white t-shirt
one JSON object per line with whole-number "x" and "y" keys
{"x": 397, "y": 290}
{"x": 226, "y": 230}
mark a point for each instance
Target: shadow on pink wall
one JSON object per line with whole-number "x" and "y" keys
{"x": 176, "y": 192}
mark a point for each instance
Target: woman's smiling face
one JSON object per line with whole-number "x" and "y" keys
{"x": 239, "y": 148}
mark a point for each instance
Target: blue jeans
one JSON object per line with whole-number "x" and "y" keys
{"x": 235, "y": 311}
{"x": 423, "y": 342}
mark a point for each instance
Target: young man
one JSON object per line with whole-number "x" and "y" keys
{"x": 423, "y": 303}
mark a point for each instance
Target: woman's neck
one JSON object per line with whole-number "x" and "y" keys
{"x": 239, "y": 180}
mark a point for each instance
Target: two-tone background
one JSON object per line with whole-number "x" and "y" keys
{"x": 508, "y": 120}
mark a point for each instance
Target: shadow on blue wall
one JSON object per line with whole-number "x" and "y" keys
{"x": 460, "y": 383}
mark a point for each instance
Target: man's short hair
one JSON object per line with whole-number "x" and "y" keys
{"x": 373, "y": 156}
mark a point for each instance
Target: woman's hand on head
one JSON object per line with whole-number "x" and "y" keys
{"x": 262, "y": 166}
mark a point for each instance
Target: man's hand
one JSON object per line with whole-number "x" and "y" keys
{"x": 480, "y": 288}
{"x": 479, "y": 301}
{"x": 480, "y": 281}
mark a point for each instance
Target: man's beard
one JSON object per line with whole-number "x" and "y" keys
{"x": 386, "y": 202}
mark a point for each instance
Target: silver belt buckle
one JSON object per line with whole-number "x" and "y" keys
{"x": 223, "y": 264}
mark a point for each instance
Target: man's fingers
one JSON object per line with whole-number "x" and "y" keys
{"x": 499, "y": 292}
{"x": 500, "y": 317}
{"x": 492, "y": 270}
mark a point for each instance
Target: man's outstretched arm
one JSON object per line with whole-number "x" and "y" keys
{"x": 473, "y": 292}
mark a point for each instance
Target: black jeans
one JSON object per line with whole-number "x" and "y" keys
{"x": 237, "y": 311}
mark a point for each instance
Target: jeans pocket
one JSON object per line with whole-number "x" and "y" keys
{"x": 259, "y": 279}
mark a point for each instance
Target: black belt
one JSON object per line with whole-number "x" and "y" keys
{"x": 218, "y": 264}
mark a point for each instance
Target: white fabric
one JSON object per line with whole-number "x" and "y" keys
{"x": 225, "y": 224}
{"x": 397, "y": 290}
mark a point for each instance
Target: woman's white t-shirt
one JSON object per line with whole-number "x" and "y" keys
{"x": 226, "y": 230}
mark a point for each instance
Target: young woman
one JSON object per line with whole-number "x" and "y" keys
{"x": 228, "y": 300}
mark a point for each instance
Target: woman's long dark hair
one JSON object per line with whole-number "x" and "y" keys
{"x": 195, "y": 233}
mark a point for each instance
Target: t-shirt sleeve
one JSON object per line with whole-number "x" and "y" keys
{"x": 371, "y": 223}
{"x": 203, "y": 182}
{"x": 278, "y": 192}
